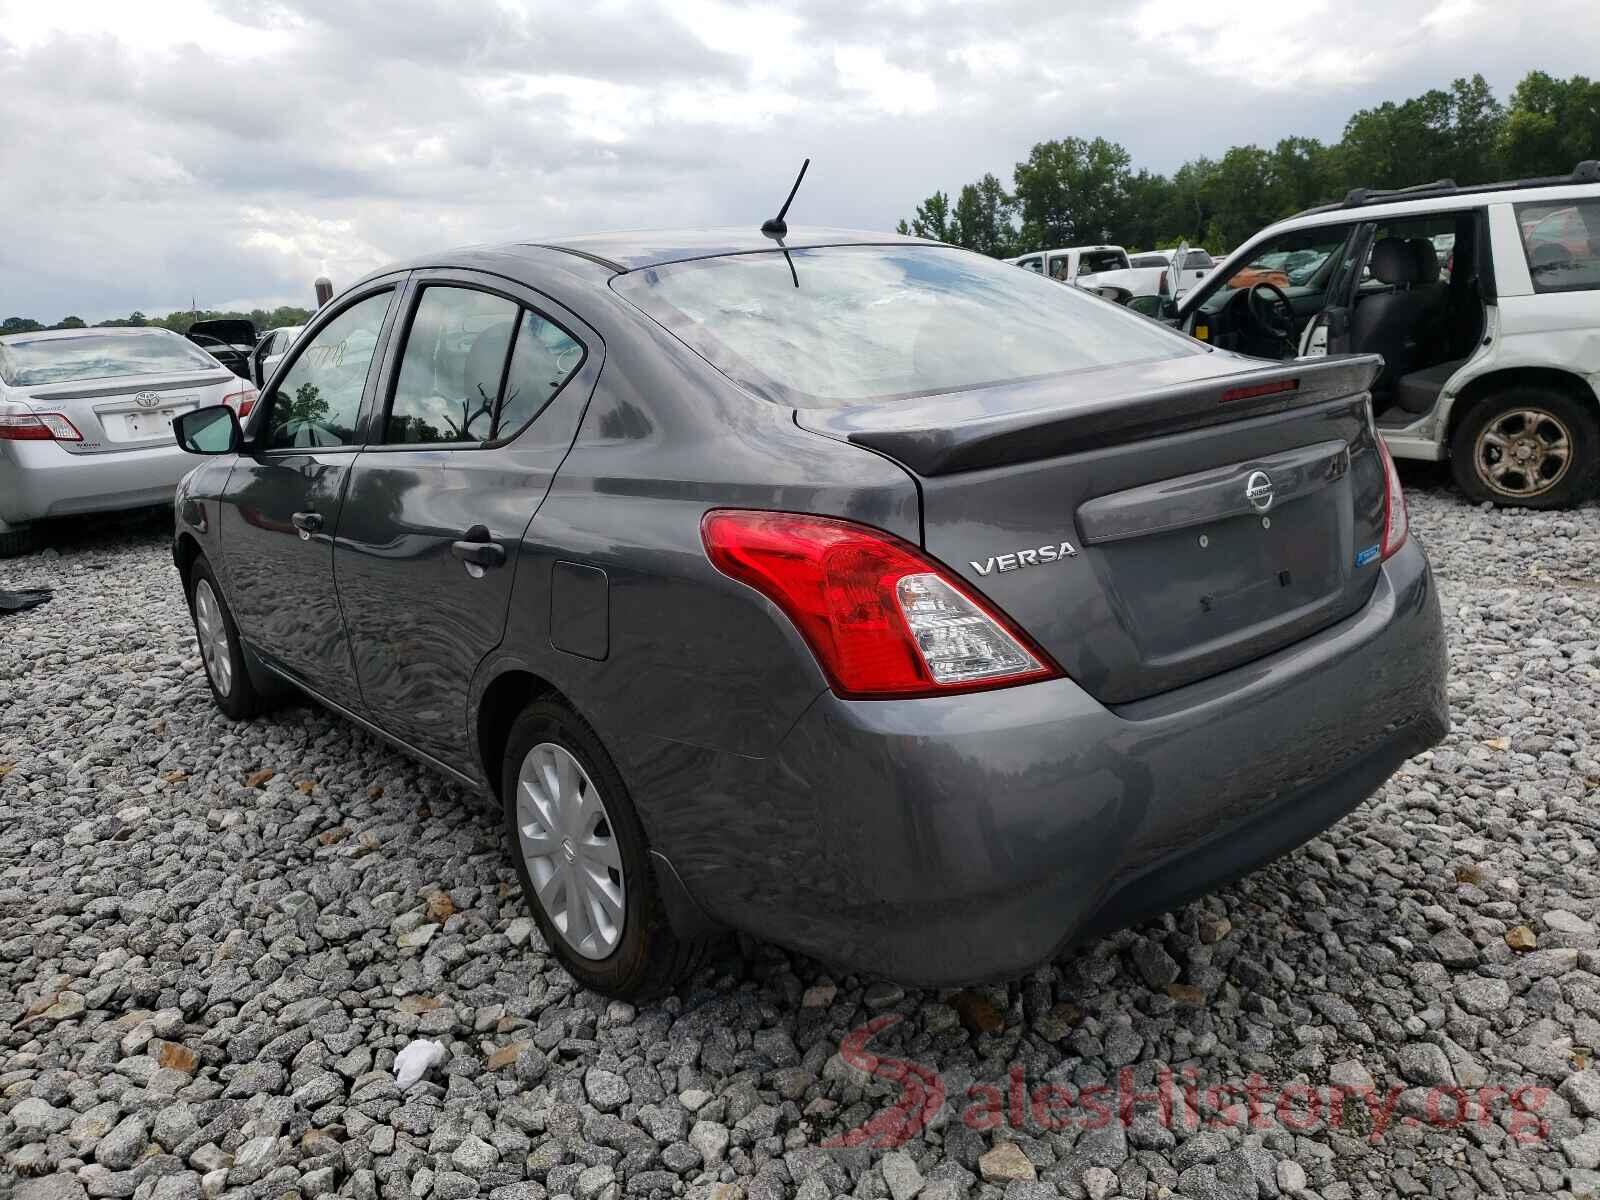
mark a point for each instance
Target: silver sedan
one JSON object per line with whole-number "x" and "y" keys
{"x": 86, "y": 421}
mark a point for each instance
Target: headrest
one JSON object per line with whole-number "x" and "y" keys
{"x": 1427, "y": 260}
{"x": 1393, "y": 261}
{"x": 485, "y": 360}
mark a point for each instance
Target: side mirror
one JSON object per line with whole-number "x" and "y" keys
{"x": 213, "y": 430}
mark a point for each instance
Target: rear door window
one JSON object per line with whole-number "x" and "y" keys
{"x": 455, "y": 358}
{"x": 1562, "y": 242}
{"x": 476, "y": 367}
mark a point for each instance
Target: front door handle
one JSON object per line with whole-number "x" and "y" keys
{"x": 307, "y": 523}
{"x": 476, "y": 549}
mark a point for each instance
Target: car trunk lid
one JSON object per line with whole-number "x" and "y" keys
{"x": 131, "y": 413}
{"x": 1150, "y": 526}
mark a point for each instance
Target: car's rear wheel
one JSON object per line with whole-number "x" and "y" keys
{"x": 581, "y": 856}
{"x": 232, "y": 688}
{"x": 1527, "y": 447}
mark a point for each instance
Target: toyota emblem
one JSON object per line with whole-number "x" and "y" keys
{"x": 146, "y": 399}
{"x": 1258, "y": 490}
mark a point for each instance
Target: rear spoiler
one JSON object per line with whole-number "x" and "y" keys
{"x": 986, "y": 427}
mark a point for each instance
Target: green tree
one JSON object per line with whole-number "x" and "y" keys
{"x": 1239, "y": 194}
{"x": 1302, "y": 174}
{"x": 983, "y": 218}
{"x": 1478, "y": 122}
{"x": 1072, "y": 191}
{"x": 933, "y": 220}
{"x": 1553, "y": 124}
{"x": 1153, "y": 216}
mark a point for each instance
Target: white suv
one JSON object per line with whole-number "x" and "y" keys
{"x": 1483, "y": 301}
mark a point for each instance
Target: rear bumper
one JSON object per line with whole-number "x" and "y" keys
{"x": 947, "y": 840}
{"x": 40, "y": 479}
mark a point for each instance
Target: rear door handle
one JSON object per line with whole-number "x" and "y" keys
{"x": 307, "y": 523}
{"x": 477, "y": 549}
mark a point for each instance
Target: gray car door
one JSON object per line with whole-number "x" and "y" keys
{"x": 282, "y": 502}
{"x": 482, "y": 390}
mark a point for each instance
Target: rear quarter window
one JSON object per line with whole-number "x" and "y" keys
{"x": 1562, "y": 243}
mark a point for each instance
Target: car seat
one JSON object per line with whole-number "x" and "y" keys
{"x": 1386, "y": 323}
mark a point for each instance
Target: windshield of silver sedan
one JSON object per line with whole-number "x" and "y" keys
{"x": 852, "y": 324}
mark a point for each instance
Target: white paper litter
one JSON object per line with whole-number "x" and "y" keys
{"x": 416, "y": 1060}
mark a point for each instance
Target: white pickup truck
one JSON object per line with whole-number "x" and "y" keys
{"x": 1197, "y": 264}
{"x": 1104, "y": 269}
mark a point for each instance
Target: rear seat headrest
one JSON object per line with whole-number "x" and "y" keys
{"x": 1393, "y": 261}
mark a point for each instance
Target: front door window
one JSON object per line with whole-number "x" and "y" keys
{"x": 318, "y": 397}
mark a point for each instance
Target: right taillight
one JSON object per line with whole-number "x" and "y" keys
{"x": 882, "y": 618}
{"x": 1395, "y": 522}
{"x": 242, "y": 401}
{"x": 19, "y": 425}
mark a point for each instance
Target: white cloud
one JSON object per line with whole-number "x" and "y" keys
{"x": 237, "y": 149}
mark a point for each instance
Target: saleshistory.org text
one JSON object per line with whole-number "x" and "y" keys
{"x": 1179, "y": 1100}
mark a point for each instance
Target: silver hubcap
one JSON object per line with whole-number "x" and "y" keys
{"x": 1524, "y": 452}
{"x": 213, "y": 636}
{"x": 570, "y": 850}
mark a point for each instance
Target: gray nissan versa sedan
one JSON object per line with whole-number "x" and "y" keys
{"x": 861, "y": 593}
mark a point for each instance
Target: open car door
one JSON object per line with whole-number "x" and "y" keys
{"x": 1173, "y": 281}
{"x": 1329, "y": 331}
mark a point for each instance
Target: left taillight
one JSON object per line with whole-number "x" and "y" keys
{"x": 241, "y": 401}
{"x": 1396, "y": 522}
{"x": 18, "y": 424}
{"x": 882, "y": 619}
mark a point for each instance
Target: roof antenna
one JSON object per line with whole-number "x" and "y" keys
{"x": 776, "y": 227}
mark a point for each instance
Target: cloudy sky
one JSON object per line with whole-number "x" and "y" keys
{"x": 154, "y": 151}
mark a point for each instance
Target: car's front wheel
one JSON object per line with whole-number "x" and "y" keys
{"x": 1528, "y": 447}
{"x": 582, "y": 858}
{"x": 232, "y": 688}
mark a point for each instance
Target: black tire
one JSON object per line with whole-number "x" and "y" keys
{"x": 648, "y": 958}
{"x": 241, "y": 700}
{"x": 14, "y": 542}
{"x": 1571, "y": 485}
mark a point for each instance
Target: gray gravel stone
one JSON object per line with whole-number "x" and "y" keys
{"x": 164, "y": 902}
{"x": 901, "y": 1174}
{"x": 1425, "y": 1063}
{"x": 121, "y": 1148}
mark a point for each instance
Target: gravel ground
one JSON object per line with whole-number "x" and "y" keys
{"x": 216, "y": 938}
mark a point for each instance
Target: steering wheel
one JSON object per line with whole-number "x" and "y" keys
{"x": 1272, "y": 314}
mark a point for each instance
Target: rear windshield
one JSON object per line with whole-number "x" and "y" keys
{"x": 851, "y": 324}
{"x": 1091, "y": 262}
{"x": 96, "y": 354}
